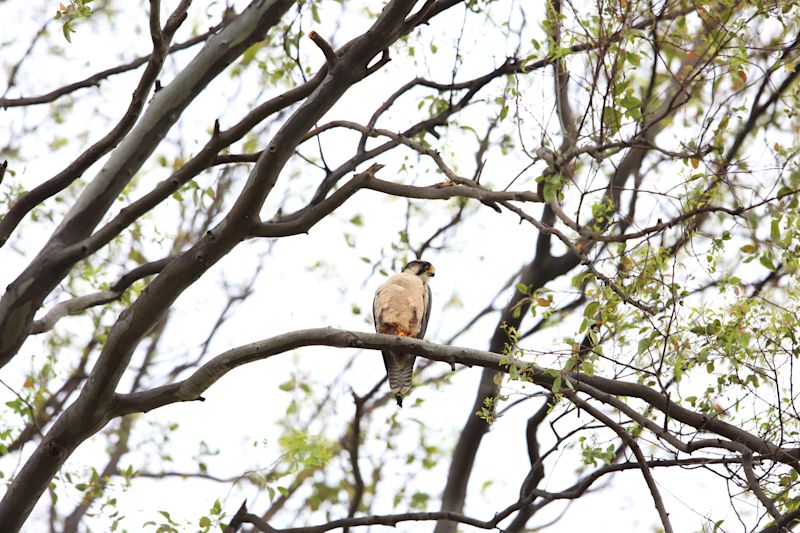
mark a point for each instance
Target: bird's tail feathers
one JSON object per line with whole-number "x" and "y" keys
{"x": 399, "y": 368}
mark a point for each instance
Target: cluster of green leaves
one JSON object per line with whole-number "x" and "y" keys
{"x": 591, "y": 452}
{"x": 488, "y": 412}
{"x": 540, "y": 298}
{"x": 70, "y": 14}
{"x": 302, "y": 450}
{"x": 213, "y": 520}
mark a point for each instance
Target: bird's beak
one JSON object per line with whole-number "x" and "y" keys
{"x": 431, "y": 271}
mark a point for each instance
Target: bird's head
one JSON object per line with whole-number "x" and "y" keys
{"x": 422, "y": 269}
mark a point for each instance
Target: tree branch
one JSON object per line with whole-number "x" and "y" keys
{"x": 366, "y": 180}
{"x": 92, "y": 154}
{"x": 81, "y": 303}
{"x": 192, "y": 387}
{"x": 24, "y": 296}
{"x": 628, "y": 439}
{"x": 330, "y": 54}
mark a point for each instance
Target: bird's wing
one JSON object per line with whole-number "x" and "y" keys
{"x": 426, "y": 302}
{"x": 388, "y": 360}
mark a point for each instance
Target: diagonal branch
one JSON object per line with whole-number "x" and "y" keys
{"x": 628, "y": 439}
{"x": 81, "y": 303}
{"x": 95, "y": 79}
{"x": 92, "y": 154}
{"x": 26, "y": 293}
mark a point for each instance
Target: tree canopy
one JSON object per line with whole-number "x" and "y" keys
{"x": 198, "y": 200}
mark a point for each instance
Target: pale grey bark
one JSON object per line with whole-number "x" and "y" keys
{"x": 94, "y": 406}
{"x": 26, "y": 293}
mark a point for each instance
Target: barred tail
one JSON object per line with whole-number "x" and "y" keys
{"x": 399, "y": 369}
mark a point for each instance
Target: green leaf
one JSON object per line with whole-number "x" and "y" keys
{"x": 503, "y": 112}
{"x": 549, "y": 191}
{"x": 419, "y": 500}
{"x": 166, "y": 515}
{"x": 748, "y": 249}
{"x": 644, "y": 344}
{"x": 591, "y": 309}
{"x": 611, "y": 119}
{"x": 775, "y": 231}
{"x": 66, "y": 29}
{"x": 766, "y": 260}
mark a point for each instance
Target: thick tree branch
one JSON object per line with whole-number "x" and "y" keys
{"x": 383, "y": 520}
{"x": 23, "y": 297}
{"x": 92, "y": 154}
{"x": 192, "y": 387}
{"x": 92, "y": 409}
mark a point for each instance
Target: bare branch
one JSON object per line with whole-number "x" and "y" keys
{"x": 628, "y": 439}
{"x": 92, "y": 154}
{"x": 95, "y": 79}
{"x": 191, "y": 388}
{"x": 71, "y": 307}
{"x": 81, "y": 303}
{"x": 366, "y": 180}
{"x": 755, "y": 486}
{"x": 330, "y": 54}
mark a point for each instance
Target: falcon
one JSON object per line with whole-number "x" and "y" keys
{"x": 402, "y": 307}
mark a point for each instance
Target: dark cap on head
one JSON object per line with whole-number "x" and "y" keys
{"x": 419, "y": 267}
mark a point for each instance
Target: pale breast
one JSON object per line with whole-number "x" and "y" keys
{"x": 399, "y": 302}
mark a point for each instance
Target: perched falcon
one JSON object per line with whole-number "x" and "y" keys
{"x": 402, "y": 307}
